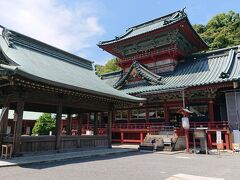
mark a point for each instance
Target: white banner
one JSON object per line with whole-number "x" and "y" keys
{"x": 219, "y": 137}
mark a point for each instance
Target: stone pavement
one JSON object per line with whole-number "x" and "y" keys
{"x": 191, "y": 177}
{"x": 64, "y": 155}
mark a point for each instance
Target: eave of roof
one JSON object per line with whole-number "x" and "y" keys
{"x": 46, "y": 67}
{"x": 199, "y": 70}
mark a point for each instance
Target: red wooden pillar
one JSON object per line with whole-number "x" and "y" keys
{"x": 166, "y": 112}
{"x": 122, "y": 137}
{"x": 209, "y": 137}
{"x": 211, "y": 111}
{"x": 227, "y": 140}
{"x": 141, "y": 137}
{"x": 147, "y": 115}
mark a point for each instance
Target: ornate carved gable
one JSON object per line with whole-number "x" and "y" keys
{"x": 138, "y": 72}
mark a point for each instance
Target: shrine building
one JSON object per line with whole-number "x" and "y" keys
{"x": 37, "y": 77}
{"x": 165, "y": 61}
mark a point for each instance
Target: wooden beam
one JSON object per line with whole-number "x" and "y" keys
{"x": 18, "y": 127}
{"x": 58, "y": 126}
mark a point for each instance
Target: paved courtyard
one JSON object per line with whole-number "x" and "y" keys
{"x": 132, "y": 165}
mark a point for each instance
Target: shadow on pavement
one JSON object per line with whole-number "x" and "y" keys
{"x": 43, "y": 165}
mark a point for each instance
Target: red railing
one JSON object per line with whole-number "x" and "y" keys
{"x": 210, "y": 125}
{"x": 147, "y": 127}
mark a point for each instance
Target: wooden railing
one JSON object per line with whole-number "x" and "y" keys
{"x": 48, "y": 143}
{"x": 210, "y": 125}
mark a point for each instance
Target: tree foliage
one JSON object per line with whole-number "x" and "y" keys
{"x": 223, "y": 30}
{"x": 44, "y": 124}
{"x": 110, "y": 66}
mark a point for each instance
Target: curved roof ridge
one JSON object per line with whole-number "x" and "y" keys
{"x": 183, "y": 13}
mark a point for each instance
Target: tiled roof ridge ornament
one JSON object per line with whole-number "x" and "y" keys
{"x": 227, "y": 71}
{"x": 8, "y": 37}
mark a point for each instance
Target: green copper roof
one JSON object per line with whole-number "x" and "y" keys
{"x": 149, "y": 26}
{"x": 198, "y": 70}
{"x": 40, "y": 62}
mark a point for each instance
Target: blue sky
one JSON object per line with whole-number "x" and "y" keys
{"x": 78, "y": 25}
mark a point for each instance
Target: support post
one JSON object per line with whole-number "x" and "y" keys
{"x": 110, "y": 129}
{"x": 4, "y": 119}
{"x": 141, "y": 137}
{"x": 18, "y": 128}
{"x": 80, "y": 119}
{"x": 209, "y": 136}
{"x": 187, "y": 140}
{"x": 147, "y": 115}
{"x": 211, "y": 111}
{"x": 122, "y": 137}
{"x": 227, "y": 140}
{"x": 95, "y": 128}
{"x": 166, "y": 113}
{"x": 69, "y": 124}
{"x": 58, "y": 126}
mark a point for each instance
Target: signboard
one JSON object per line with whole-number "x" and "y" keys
{"x": 219, "y": 137}
{"x": 199, "y": 133}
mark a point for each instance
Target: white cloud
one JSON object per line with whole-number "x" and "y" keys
{"x": 67, "y": 26}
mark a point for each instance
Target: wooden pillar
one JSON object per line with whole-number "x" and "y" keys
{"x": 18, "y": 128}
{"x": 129, "y": 116}
{"x": 147, "y": 115}
{"x": 80, "y": 120}
{"x": 110, "y": 129}
{"x": 166, "y": 113}
{"x": 95, "y": 128}
{"x": 4, "y": 119}
{"x": 69, "y": 124}
{"x": 101, "y": 120}
{"x": 211, "y": 111}
{"x": 209, "y": 137}
{"x": 58, "y": 126}
{"x": 122, "y": 137}
{"x": 113, "y": 116}
{"x": 227, "y": 140}
{"x": 141, "y": 137}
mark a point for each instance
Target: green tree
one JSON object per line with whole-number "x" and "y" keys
{"x": 44, "y": 124}
{"x": 223, "y": 30}
{"x": 110, "y": 66}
